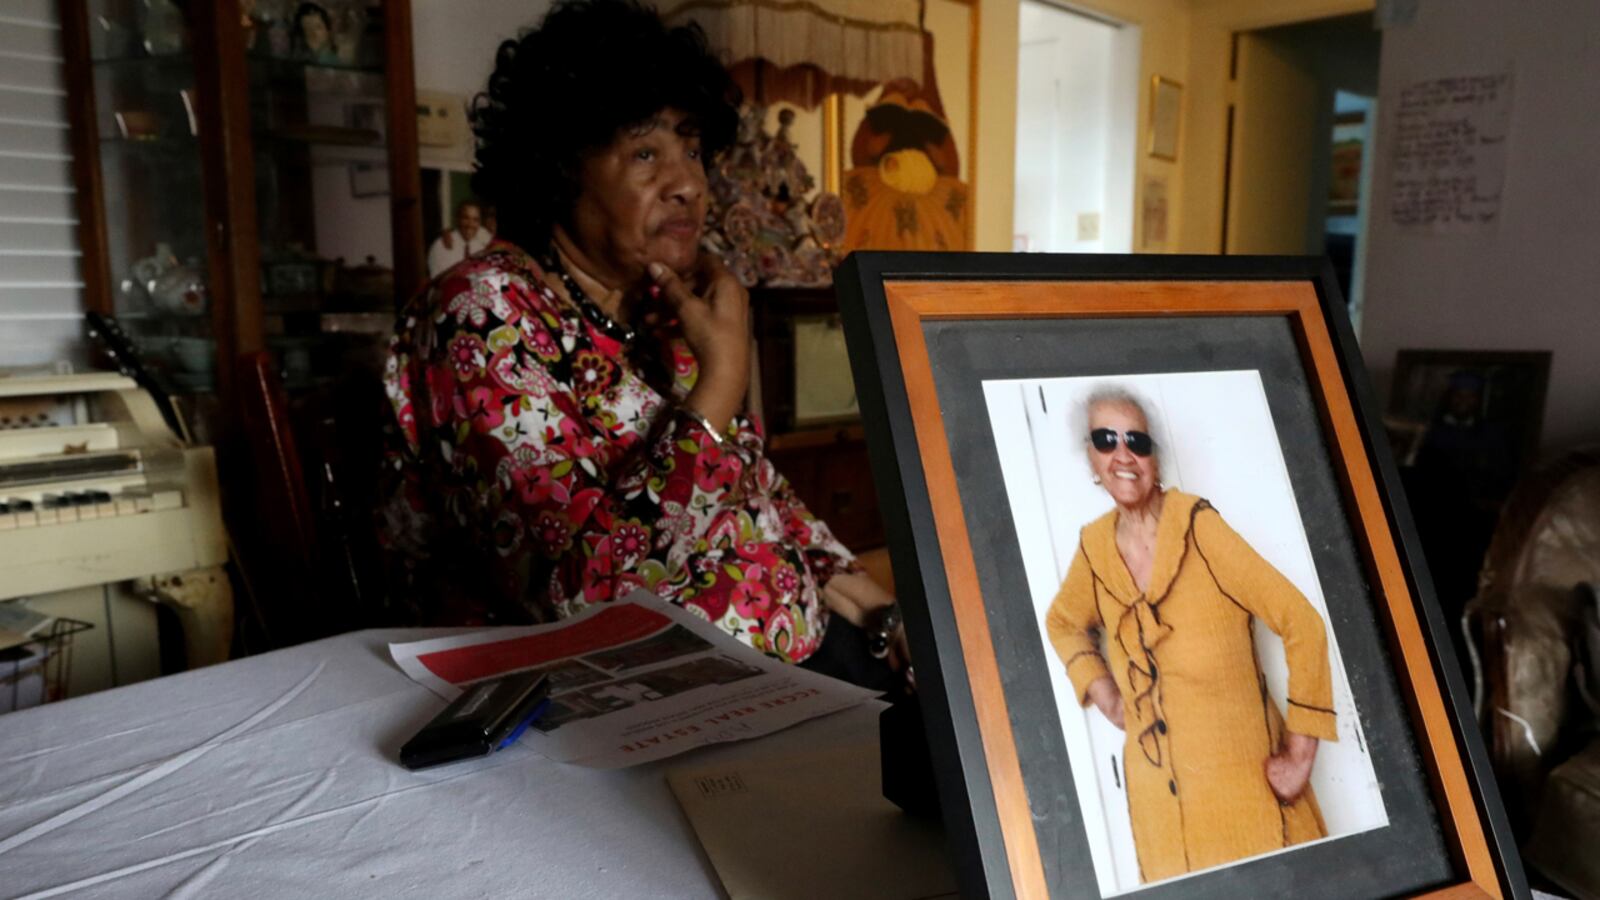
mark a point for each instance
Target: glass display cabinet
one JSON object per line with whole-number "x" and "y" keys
{"x": 247, "y": 179}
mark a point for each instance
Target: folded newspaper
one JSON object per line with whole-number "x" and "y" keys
{"x": 633, "y": 681}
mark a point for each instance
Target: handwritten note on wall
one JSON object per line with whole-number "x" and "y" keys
{"x": 1450, "y": 153}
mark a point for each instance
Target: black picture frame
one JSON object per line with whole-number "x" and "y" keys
{"x": 922, "y": 328}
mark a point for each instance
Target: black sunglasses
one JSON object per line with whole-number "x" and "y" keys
{"x": 1137, "y": 442}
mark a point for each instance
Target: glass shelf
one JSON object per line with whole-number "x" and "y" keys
{"x": 259, "y": 65}
{"x": 118, "y": 66}
{"x": 319, "y": 156}
{"x": 175, "y": 147}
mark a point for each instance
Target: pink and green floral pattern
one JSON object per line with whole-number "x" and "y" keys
{"x": 547, "y": 468}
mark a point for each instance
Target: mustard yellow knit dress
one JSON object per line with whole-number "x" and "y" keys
{"x": 1200, "y": 724}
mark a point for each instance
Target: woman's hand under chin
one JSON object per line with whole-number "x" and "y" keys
{"x": 716, "y": 324}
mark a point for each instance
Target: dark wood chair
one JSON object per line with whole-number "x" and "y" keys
{"x": 304, "y": 568}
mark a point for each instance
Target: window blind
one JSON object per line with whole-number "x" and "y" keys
{"x": 41, "y": 289}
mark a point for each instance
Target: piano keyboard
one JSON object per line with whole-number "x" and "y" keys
{"x": 103, "y": 492}
{"x": 83, "y": 505}
{"x": 100, "y": 492}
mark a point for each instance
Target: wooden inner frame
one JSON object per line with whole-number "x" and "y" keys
{"x": 911, "y": 304}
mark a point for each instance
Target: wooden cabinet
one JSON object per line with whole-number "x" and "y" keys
{"x": 241, "y": 176}
{"x": 247, "y": 180}
{"x": 807, "y": 401}
{"x": 830, "y": 472}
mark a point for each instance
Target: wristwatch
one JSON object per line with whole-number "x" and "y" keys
{"x": 881, "y": 628}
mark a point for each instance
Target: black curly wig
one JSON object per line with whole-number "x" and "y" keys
{"x": 590, "y": 70}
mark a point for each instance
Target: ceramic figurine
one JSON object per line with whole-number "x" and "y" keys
{"x": 163, "y": 27}
{"x": 168, "y": 285}
{"x": 313, "y": 34}
{"x": 350, "y": 25}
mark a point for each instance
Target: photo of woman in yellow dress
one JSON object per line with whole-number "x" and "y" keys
{"x": 1204, "y": 707}
{"x": 1214, "y": 772}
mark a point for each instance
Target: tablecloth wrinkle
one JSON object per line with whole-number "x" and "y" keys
{"x": 24, "y": 756}
{"x": 148, "y": 791}
{"x": 273, "y": 790}
{"x": 171, "y": 765}
{"x": 191, "y": 886}
{"x": 248, "y": 837}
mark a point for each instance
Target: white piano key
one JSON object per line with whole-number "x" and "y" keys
{"x": 168, "y": 499}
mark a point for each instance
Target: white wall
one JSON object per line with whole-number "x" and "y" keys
{"x": 454, "y": 40}
{"x": 1532, "y": 282}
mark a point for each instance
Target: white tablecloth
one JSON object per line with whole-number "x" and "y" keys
{"x": 275, "y": 776}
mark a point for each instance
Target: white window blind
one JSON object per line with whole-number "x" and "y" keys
{"x": 41, "y": 290}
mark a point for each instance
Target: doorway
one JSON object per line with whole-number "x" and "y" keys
{"x": 1300, "y": 134}
{"x": 1077, "y": 118}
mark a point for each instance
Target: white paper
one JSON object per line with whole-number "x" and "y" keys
{"x": 633, "y": 681}
{"x": 1450, "y": 153}
{"x": 833, "y": 796}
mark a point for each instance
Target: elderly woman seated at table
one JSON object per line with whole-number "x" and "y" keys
{"x": 1214, "y": 771}
{"x": 570, "y": 402}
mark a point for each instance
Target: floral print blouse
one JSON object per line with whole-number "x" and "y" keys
{"x": 546, "y": 466}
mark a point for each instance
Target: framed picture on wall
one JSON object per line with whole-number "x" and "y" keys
{"x": 802, "y": 360}
{"x": 903, "y": 153}
{"x": 1170, "y": 624}
{"x": 1166, "y": 116}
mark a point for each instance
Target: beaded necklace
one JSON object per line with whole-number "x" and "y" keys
{"x": 591, "y": 310}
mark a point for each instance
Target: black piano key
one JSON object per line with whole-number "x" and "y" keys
{"x": 52, "y": 501}
{"x": 100, "y": 496}
{"x": 22, "y": 505}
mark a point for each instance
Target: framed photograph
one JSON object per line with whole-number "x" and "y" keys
{"x": 1166, "y": 115}
{"x": 1474, "y": 413}
{"x": 803, "y": 363}
{"x": 369, "y": 179}
{"x": 1153, "y": 209}
{"x": 1172, "y": 631}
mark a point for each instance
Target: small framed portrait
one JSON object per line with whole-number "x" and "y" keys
{"x": 803, "y": 362}
{"x": 1473, "y": 415}
{"x": 1170, "y": 622}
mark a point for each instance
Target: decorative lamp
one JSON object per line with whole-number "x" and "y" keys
{"x": 761, "y": 221}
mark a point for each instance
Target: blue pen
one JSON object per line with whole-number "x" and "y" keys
{"x": 523, "y": 725}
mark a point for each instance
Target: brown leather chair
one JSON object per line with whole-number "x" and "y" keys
{"x": 1536, "y": 680}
